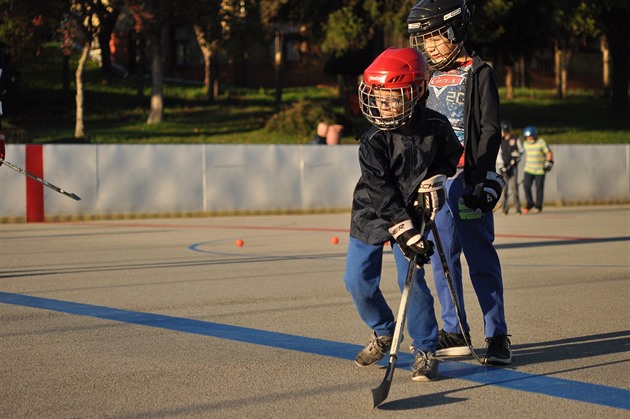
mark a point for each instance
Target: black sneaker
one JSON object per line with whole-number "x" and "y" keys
{"x": 374, "y": 350}
{"x": 499, "y": 351}
{"x": 452, "y": 344}
{"x": 425, "y": 368}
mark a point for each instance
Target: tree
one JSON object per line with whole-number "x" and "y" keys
{"x": 215, "y": 22}
{"x": 614, "y": 16}
{"x": 107, "y": 12}
{"x": 355, "y": 33}
{"x": 151, "y": 18}
{"x": 81, "y": 27}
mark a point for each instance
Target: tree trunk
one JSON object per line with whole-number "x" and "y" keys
{"x": 214, "y": 77}
{"x": 156, "y": 112}
{"x": 278, "y": 58}
{"x": 106, "y": 56}
{"x": 603, "y": 47}
{"x": 206, "y": 52}
{"x": 140, "y": 61}
{"x": 79, "y": 130}
{"x": 104, "y": 36}
{"x": 509, "y": 82}
{"x": 521, "y": 78}
{"x": 562, "y": 56}
{"x": 618, "y": 33}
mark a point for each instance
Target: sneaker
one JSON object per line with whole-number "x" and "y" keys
{"x": 374, "y": 350}
{"x": 452, "y": 344}
{"x": 499, "y": 351}
{"x": 425, "y": 368}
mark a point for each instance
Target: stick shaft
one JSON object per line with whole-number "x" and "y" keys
{"x": 40, "y": 180}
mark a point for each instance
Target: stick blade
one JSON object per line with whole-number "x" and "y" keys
{"x": 380, "y": 393}
{"x": 74, "y": 196}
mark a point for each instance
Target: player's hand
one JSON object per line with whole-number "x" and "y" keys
{"x": 411, "y": 242}
{"x": 548, "y": 165}
{"x": 431, "y": 195}
{"x": 484, "y": 196}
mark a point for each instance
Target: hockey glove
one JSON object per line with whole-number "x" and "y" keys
{"x": 431, "y": 195}
{"x": 548, "y": 165}
{"x": 485, "y": 195}
{"x": 411, "y": 241}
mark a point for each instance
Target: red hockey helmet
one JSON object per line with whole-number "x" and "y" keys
{"x": 392, "y": 86}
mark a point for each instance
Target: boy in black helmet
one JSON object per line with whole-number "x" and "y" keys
{"x": 464, "y": 88}
{"x": 404, "y": 157}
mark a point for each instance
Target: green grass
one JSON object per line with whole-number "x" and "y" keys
{"x": 35, "y": 111}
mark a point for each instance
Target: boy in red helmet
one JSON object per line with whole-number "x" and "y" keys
{"x": 405, "y": 157}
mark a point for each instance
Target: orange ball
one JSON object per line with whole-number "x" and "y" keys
{"x": 334, "y": 240}
{"x": 239, "y": 243}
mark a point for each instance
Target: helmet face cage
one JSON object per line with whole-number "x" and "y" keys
{"x": 437, "y": 46}
{"x": 388, "y": 108}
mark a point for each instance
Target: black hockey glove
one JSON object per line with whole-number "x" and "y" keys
{"x": 431, "y": 195}
{"x": 548, "y": 165}
{"x": 411, "y": 242}
{"x": 485, "y": 195}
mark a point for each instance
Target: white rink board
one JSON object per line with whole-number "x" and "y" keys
{"x": 144, "y": 180}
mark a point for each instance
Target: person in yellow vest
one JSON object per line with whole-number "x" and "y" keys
{"x": 538, "y": 161}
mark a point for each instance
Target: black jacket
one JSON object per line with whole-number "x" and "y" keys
{"x": 482, "y": 122}
{"x": 392, "y": 166}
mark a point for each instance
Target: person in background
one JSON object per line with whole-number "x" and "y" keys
{"x": 538, "y": 161}
{"x": 463, "y": 87}
{"x": 507, "y": 162}
{"x": 405, "y": 155}
{"x": 320, "y": 134}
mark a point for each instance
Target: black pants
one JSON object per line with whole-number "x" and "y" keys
{"x": 539, "y": 180}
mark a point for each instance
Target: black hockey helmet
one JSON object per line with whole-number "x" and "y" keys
{"x": 447, "y": 18}
{"x": 506, "y": 126}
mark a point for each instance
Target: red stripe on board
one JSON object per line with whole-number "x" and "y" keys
{"x": 34, "y": 189}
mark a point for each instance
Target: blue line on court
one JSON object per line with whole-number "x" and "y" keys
{"x": 515, "y": 380}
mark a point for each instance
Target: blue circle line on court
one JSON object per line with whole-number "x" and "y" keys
{"x": 500, "y": 377}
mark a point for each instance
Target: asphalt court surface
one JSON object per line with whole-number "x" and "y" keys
{"x": 169, "y": 318}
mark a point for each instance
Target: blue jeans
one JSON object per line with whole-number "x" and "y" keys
{"x": 539, "y": 181}
{"x": 362, "y": 278}
{"x": 461, "y": 229}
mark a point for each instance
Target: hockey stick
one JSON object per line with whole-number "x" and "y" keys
{"x": 379, "y": 394}
{"x": 40, "y": 180}
{"x": 451, "y": 288}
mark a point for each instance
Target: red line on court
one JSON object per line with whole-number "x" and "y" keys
{"x": 312, "y": 229}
